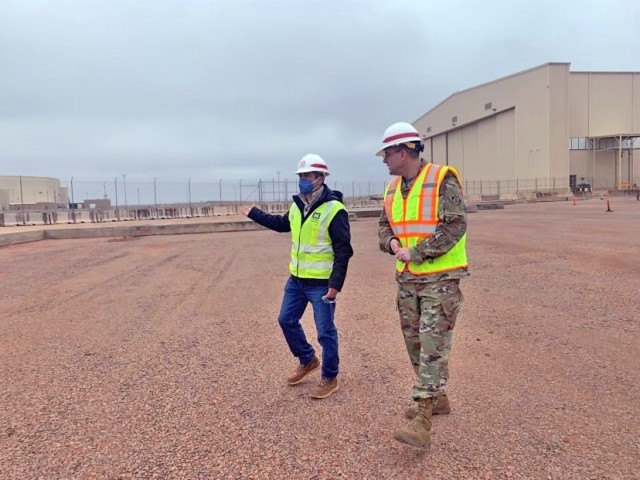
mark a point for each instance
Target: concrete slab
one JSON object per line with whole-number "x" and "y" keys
{"x": 21, "y": 237}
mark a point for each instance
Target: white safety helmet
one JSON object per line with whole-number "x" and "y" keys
{"x": 312, "y": 163}
{"x": 397, "y": 134}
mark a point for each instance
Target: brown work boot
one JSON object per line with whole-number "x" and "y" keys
{"x": 325, "y": 388}
{"x": 417, "y": 432}
{"x": 302, "y": 371}
{"x": 441, "y": 407}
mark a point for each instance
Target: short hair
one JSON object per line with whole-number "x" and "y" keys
{"x": 413, "y": 152}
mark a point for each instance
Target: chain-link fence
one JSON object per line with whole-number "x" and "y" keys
{"x": 126, "y": 193}
{"x": 49, "y": 200}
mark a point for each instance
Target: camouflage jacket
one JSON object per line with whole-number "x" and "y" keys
{"x": 451, "y": 227}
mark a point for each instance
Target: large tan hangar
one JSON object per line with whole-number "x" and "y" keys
{"x": 31, "y": 191}
{"x": 545, "y": 129}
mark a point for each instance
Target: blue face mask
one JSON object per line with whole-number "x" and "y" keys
{"x": 306, "y": 186}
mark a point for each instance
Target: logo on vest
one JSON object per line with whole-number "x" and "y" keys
{"x": 316, "y": 215}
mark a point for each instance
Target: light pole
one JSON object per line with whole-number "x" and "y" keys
{"x": 72, "y": 190}
{"x": 278, "y": 172}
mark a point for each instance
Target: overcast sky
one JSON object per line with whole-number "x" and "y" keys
{"x": 242, "y": 89}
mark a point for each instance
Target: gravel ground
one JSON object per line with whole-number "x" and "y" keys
{"x": 161, "y": 357}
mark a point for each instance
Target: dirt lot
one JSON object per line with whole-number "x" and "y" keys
{"x": 161, "y": 357}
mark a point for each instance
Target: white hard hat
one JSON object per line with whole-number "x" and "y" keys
{"x": 312, "y": 163}
{"x": 397, "y": 134}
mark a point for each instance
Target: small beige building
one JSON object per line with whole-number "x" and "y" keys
{"x": 26, "y": 191}
{"x": 543, "y": 130}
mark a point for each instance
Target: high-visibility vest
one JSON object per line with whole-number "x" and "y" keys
{"x": 311, "y": 250}
{"x": 416, "y": 218}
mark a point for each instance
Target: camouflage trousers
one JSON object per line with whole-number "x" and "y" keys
{"x": 428, "y": 314}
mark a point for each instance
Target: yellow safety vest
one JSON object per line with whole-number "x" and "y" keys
{"x": 416, "y": 218}
{"x": 311, "y": 250}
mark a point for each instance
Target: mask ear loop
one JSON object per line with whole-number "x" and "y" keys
{"x": 316, "y": 179}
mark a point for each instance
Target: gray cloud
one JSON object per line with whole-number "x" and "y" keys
{"x": 242, "y": 89}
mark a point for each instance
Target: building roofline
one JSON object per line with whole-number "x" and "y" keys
{"x": 606, "y": 73}
{"x": 489, "y": 83}
{"x": 29, "y": 177}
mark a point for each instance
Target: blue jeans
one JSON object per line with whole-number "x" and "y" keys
{"x": 294, "y": 302}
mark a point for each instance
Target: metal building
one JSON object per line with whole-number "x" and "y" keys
{"x": 31, "y": 192}
{"x": 544, "y": 130}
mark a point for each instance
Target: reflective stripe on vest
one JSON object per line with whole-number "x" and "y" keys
{"x": 311, "y": 251}
{"x": 416, "y": 217}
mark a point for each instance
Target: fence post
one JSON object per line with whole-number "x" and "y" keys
{"x": 117, "y": 208}
{"x": 353, "y": 194}
{"x": 21, "y": 202}
{"x": 155, "y": 198}
{"x": 190, "y": 209}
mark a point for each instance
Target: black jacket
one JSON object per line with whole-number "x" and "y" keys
{"x": 338, "y": 231}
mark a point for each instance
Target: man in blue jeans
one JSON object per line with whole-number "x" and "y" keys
{"x": 320, "y": 253}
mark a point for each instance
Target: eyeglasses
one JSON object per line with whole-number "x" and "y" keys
{"x": 387, "y": 154}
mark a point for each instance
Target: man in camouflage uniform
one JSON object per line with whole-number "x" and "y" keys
{"x": 428, "y": 301}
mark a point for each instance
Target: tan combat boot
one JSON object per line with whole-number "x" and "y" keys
{"x": 441, "y": 407}
{"x": 417, "y": 432}
{"x": 302, "y": 371}
{"x": 325, "y": 388}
